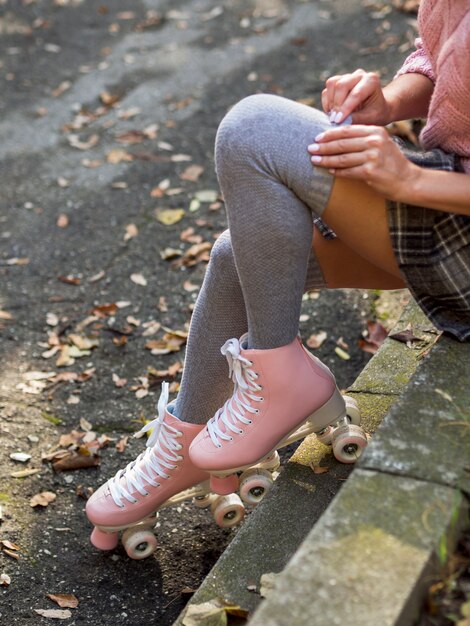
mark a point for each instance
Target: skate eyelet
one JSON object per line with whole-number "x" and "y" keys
{"x": 250, "y": 421}
{"x": 260, "y": 399}
{"x": 256, "y": 410}
{"x": 231, "y": 438}
{"x": 179, "y": 457}
{"x": 241, "y": 432}
{"x": 146, "y": 494}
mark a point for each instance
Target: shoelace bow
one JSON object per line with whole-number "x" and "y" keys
{"x": 236, "y": 407}
{"x": 153, "y": 461}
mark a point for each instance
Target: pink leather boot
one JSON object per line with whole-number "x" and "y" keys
{"x": 161, "y": 471}
{"x": 275, "y": 392}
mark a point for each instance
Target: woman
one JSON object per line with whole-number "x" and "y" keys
{"x": 399, "y": 219}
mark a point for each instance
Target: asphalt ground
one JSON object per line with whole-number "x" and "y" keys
{"x": 100, "y": 103}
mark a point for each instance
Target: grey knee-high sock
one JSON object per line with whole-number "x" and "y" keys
{"x": 219, "y": 314}
{"x": 271, "y": 189}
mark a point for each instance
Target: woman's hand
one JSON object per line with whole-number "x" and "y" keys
{"x": 359, "y": 94}
{"x": 365, "y": 153}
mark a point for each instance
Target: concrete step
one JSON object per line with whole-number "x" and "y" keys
{"x": 395, "y": 523}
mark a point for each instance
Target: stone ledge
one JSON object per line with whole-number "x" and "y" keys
{"x": 367, "y": 558}
{"x": 427, "y": 433}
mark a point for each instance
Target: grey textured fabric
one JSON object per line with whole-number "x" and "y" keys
{"x": 219, "y": 314}
{"x": 270, "y": 190}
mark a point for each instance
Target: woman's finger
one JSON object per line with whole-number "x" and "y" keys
{"x": 343, "y": 87}
{"x": 346, "y": 160}
{"x": 348, "y": 132}
{"x": 340, "y": 146}
{"x": 362, "y": 91}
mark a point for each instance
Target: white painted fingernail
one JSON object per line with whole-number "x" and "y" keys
{"x": 313, "y": 147}
{"x": 338, "y": 117}
{"x": 332, "y": 116}
{"x": 316, "y": 158}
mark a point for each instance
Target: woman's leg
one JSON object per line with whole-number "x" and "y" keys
{"x": 270, "y": 190}
{"x": 219, "y": 314}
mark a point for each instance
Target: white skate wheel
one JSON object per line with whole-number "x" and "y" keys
{"x": 254, "y": 485}
{"x": 326, "y": 436}
{"x": 349, "y": 443}
{"x": 139, "y": 543}
{"x": 202, "y": 502}
{"x": 352, "y": 410}
{"x": 228, "y": 510}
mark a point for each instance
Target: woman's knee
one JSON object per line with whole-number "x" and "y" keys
{"x": 239, "y": 131}
{"x": 221, "y": 257}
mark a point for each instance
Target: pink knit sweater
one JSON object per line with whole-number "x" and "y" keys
{"x": 443, "y": 55}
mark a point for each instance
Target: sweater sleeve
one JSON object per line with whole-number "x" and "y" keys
{"x": 417, "y": 62}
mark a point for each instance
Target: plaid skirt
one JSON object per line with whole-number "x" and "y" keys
{"x": 432, "y": 249}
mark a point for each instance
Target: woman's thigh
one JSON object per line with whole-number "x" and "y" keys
{"x": 362, "y": 255}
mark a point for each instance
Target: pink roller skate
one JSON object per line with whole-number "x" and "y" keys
{"x": 280, "y": 396}
{"x": 160, "y": 476}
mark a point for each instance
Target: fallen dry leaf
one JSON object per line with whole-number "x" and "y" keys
{"x": 168, "y": 217}
{"x": 74, "y": 461}
{"x": 342, "y": 354}
{"x": 189, "y": 286}
{"x": 121, "y": 444}
{"x": 64, "y": 600}
{"x": 192, "y": 173}
{"x": 62, "y": 220}
{"x": 170, "y": 253}
{"x": 4, "y": 315}
{"x": 54, "y": 613}
{"x": 212, "y": 613}
{"x": 9, "y": 545}
{"x": 62, "y": 88}
{"x": 318, "y": 469}
{"x": 162, "y": 304}
{"x": 76, "y": 142}
{"x": 24, "y": 473}
{"x": 316, "y": 340}
{"x": 376, "y": 335}
{"x": 5, "y": 580}
{"x": 69, "y": 280}
{"x": 139, "y": 279}
{"x": 188, "y": 234}
{"x": 105, "y": 310}
{"x": 42, "y": 499}
{"x": 131, "y": 232}
{"x": 405, "y": 336}
{"x": 119, "y": 382}
{"x": 118, "y": 155}
{"x": 206, "y": 195}
{"x": 85, "y": 424}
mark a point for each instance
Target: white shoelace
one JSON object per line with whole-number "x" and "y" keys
{"x": 152, "y": 462}
{"x": 235, "y": 409}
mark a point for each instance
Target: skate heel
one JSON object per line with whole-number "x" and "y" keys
{"x": 332, "y": 411}
{"x": 224, "y": 485}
